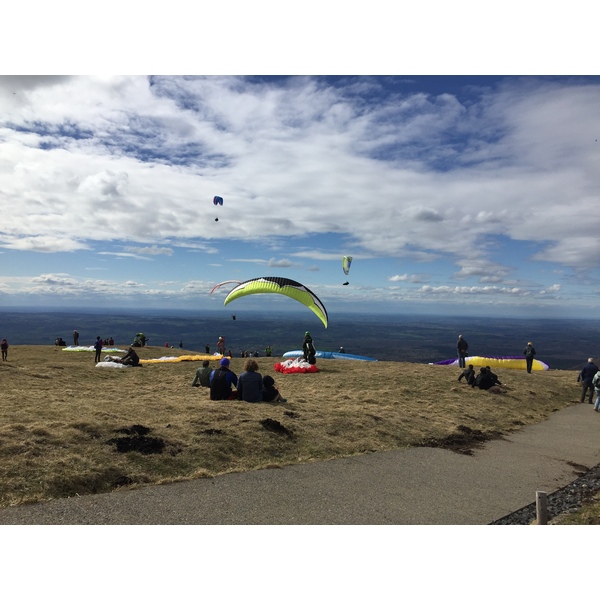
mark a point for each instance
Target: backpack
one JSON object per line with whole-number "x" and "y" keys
{"x": 219, "y": 387}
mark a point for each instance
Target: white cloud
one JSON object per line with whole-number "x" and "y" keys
{"x": 150, "y": 250}
{"x": 484, "y": 270}
{"x": 135, "y": 161}
{"x": 281, "y": 263}
{"x": 414, "y": 278}
{"x": 474, "y": 290}
{"x": 41, "y": 243}
{"x": 124, "y": 255}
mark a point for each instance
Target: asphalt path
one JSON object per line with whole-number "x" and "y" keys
{"x": 413, "y": 486}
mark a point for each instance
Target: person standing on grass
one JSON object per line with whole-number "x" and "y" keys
{"x": 586, "y": 377}
{"x": 250, "y": 383}
{"x": 308, "y": 349}
{"x": 529, "y": 356}
{"x": 4, "y": 347}
{"x": 98, "y": 349}
{"x": 75, "y": 338}
{"x": 461, "y": 350}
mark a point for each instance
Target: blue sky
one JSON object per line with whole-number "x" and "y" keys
{"x": 454, "y": 193}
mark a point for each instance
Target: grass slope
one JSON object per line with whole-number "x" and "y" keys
{"x": 62, "y": 418}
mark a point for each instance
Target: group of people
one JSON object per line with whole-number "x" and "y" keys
{"x": 130, "y": 358}
{"x": 250, "y": 386}
{"x": 484, "y": 380}
{"x": 589, "y": 377}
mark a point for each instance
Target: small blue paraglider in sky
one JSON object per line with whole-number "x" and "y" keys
{"x": 217, "y": 201}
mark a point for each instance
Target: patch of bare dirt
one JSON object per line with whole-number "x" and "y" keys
{"x": 463, "y": 441}
{"x": 136, "y": 440}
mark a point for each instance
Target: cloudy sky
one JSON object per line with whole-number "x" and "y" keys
{"x": 447, "y": 191}
{"x": 476, "y": 194}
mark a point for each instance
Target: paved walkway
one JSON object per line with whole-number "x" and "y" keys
{"x": 413, "y": 486}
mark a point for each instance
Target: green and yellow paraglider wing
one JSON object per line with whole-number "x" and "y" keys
{"x": 346, "y": 262}
{"x": 280, "y": 285}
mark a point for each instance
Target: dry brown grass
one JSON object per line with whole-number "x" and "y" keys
{"x": 59, "y": 414}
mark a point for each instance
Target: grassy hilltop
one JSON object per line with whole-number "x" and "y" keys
{"x": 62, "y": 418}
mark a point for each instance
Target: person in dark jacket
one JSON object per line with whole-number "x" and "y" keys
{"x": 484, "y": 381}
{"x": 250, "y": 383}
{"x": 461, "y": 350}
{"x": 222, "y": 381}
{"x": 529, "y": 353}
{"x": 586, "y": 377}
{"x": 494, "y": 377}
{"x": 308, "y": 349}
{"x": 270, "y": 391}
{"x": 98, "y": 349}
{"x": 130, "y": 358}
{"x": 468, "y": 374}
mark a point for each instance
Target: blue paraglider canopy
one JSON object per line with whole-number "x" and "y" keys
{"x": 218, "y": 200}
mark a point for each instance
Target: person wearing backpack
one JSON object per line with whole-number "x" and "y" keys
{"x": 308, "y": 349}
{"x": 222, "y": 381}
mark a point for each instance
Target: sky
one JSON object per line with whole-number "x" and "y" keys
{"x": 467, "y": 194}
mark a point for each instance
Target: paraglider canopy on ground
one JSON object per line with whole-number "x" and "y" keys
{"x": 503, "y": 362}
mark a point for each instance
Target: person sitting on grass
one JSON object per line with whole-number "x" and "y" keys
{"x": 484, "y": 380}
{"x": 494, "y": 377}
{"x": 270, "y": 392}
{"x": 250, "y": 383}
{"x": 131, "y": 358}
{"x": 202, "y": 377}
{"x": 222, "y": 381}
{"x": 468, "y": 374}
